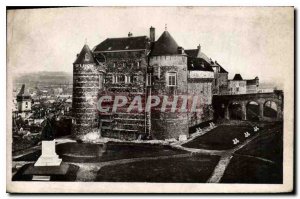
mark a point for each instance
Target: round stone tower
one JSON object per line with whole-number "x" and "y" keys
{"x": 86, "y": 83}
{"x": 169, "y": 63}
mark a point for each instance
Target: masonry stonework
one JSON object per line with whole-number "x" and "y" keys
{"x": 85, "y": 90}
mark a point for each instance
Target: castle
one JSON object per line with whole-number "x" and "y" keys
{"x": 143, "y": 66}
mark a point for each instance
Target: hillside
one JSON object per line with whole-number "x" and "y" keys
{"x": 43, "y": 78}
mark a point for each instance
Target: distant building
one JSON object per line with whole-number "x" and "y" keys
{"x": 252, "y": 85}
{"x": 23, "y": 102}
{"x": 220, "y": 83}
{"x": 238, "y": 85}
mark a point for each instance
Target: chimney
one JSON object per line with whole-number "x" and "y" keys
{"x": 129, "y": 34}
{"x": 257, "y": 81}
{"x": 180, "y": 50}
{"x": 199, "y": 47}
{"x": 152, "y": 34}
{"x": 199, "y": 50}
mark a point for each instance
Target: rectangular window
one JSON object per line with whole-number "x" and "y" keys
{"x": 109, "y": 79}
{"x": 171, "y": 79}
{"x": 158, "y": 72}
{"x": 120, "y": 79}
{"x": 149, "y": 79}
{"x": 100, "y": 81}
{"x": 128, "y": 79}
{"x": 114, "y": 79}
{"x": 134, "y": 78}
{"x": 138, "y": 64}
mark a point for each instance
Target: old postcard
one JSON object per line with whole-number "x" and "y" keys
{"x": 150, "y": 100}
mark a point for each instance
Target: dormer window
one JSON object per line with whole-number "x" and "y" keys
{"x": 86, "y": 57}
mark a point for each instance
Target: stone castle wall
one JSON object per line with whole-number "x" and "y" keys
{"x": 203, "y": 89}
{"x": 130, "y": 67}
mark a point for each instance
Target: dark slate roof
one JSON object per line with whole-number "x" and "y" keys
{"x": 194, "y": 53}
{"x": 23, "y": 92}
{"x": 251, "y": 81}
{"x": 85, "y": 56}
{"x": 198, "y": 64}
{"x": 222, "y": 70}
{"x": 124, "y": 43}
{"x": 237, "y": 77}
{"x": 165, "y": 45}
{"x": 191, "y": 52}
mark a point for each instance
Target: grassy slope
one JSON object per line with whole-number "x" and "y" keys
{"x": 246, "y": 168}
{"x": 220, "y": 138}
{"x": 189, "y": 169}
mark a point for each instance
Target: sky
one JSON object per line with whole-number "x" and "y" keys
{"x": 255, "y": 41}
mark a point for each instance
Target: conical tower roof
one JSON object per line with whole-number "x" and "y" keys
{"x": 165, "y": 45}
{"x": 85, "y": 56}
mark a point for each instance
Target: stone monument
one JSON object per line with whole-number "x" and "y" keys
{"x": 48, "y": 165}
{"x": 49, "y": 156}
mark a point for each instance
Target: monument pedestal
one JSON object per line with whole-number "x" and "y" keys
{"x": 49, "y": 156}
{"x": 45, "y": 173}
